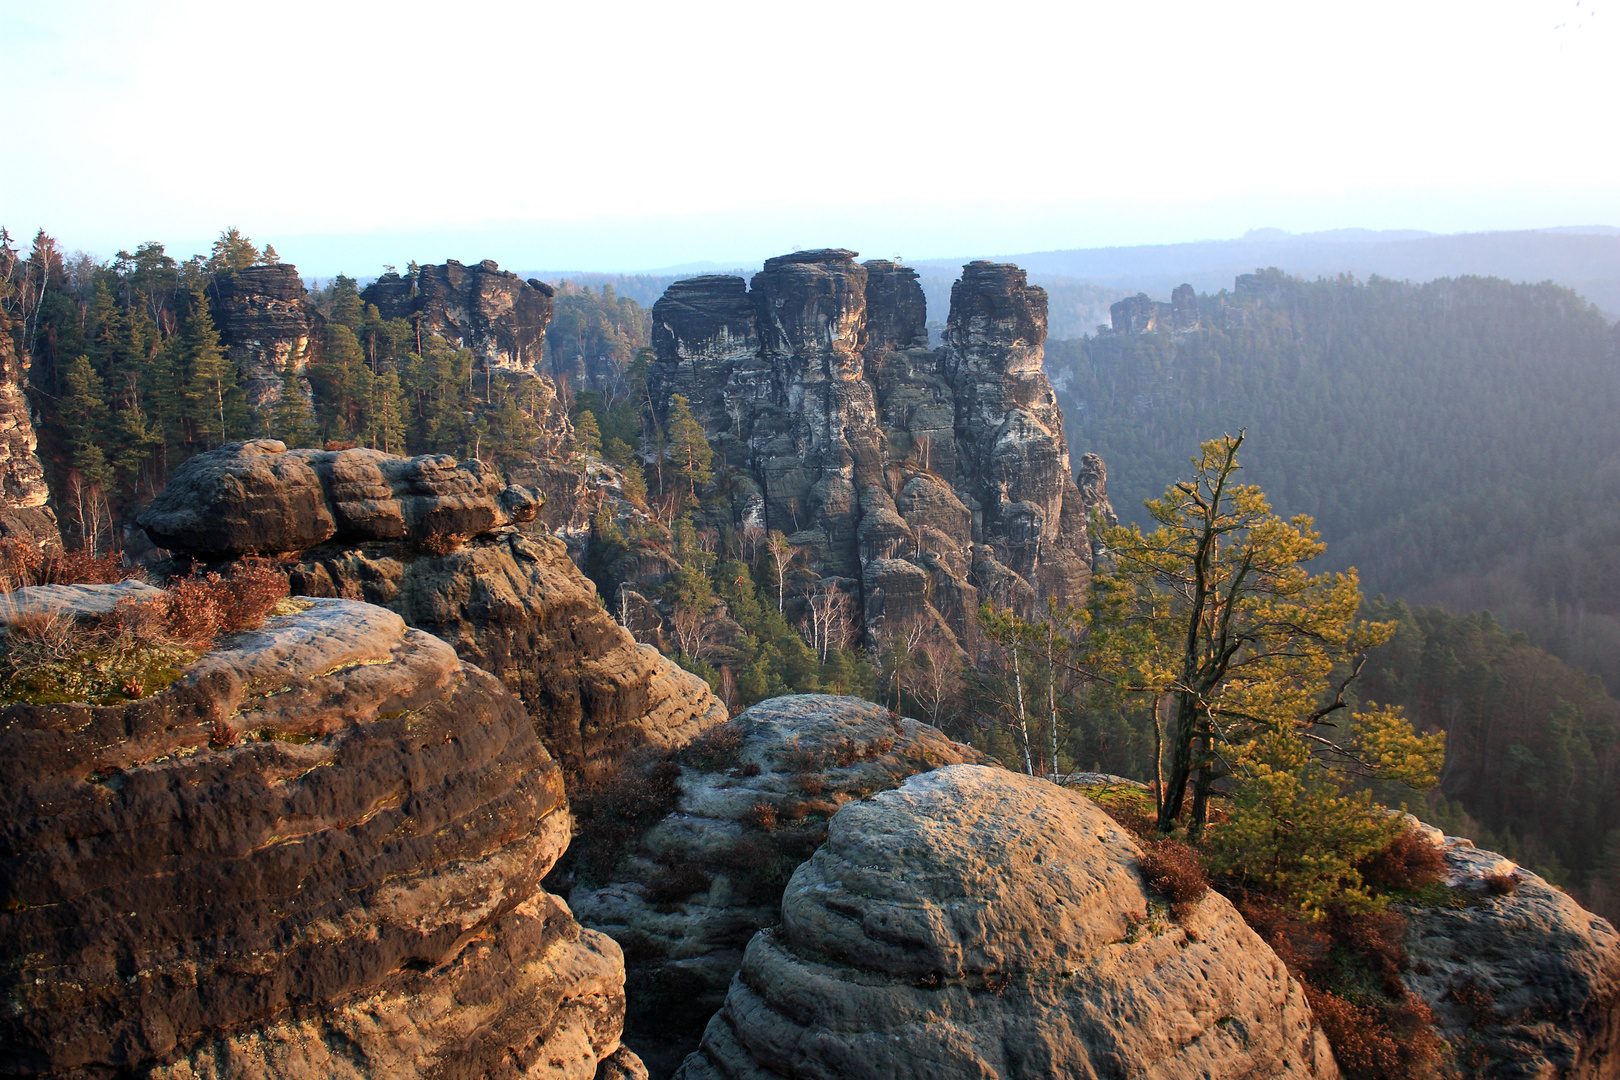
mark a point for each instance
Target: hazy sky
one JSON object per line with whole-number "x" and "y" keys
{"x": 599, "y": 135}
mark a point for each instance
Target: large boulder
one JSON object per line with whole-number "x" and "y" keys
{"x": 979, "y": 923}
{"x": 750, "y": 803}
{"x": 516, "y": 606}
{"x": 258, "y": 497}
{"x": 1523, "y": 981}
{"x": 318, "y": 853}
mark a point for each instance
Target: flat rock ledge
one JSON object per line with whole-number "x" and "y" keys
{"x": 978, "y": 923}
{"x": 317, "y": 854}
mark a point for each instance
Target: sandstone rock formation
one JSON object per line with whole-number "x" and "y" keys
{"x": 1523, "y": 984}
{"x": 917, "y": 482}
{"x": 395, "y": 532}
{"x": 256, "y": 497}
{"x": 684, "y": 897}
{"x": 24, "y": 514}
{"x": 483, "y": 308}
{"x": 1140, "y": 315}
{"x": 979, "y": 923}
{"x": 318, "y": 853}
{"x": 266, "y": 323}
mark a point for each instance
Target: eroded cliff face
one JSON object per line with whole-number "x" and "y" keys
{"x": 440, "y": 543}
{"x": 501, "y": 318}
{"x": 24, "y": 514}
{"x": 918, "y": 482}
{"x": 266, "y": 323}
{"x": 318, "y": 853}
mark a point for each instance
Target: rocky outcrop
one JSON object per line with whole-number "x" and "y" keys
{"x": 1140, "y": 315}
{"x": 437, "y": 542}
{"x": 1523, "y": 983}
{"x": 684, "y": 896}
{"x": 516, "y": 606}
{"x": 318, "y": 853}
{"x": 979, "y": 923}
{"x": 24, "y": 514}
{"x": 916, "y": 481}
{"x": 259, "y": 497}
{"x": 501, "y": 318}
{"x": 266, "y": 324}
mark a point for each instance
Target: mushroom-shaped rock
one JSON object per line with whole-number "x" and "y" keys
{"x": 254, "y": 497}
{"x": 316, "y": 853}
{"x": 978, "y": 923}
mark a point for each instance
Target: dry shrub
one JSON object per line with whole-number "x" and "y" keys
{"x": 22, "y": 564}
{"x": 193, "y": 611}
{"x": 1409, "y": 862}
{"x": 1394, "y": 1041}
{"x": 1174, "y": 870}
{"x": 438, "y": 544}
{"x": 1302, "y": 946}
{"x": 761, "y": 816}
{"x": 1375, "y": 937}
{"x": 610, "y": 814}
{"x": 715, "y": 750}
{"x": 847, "y": 753}
{"x": 811, "y": 784}
{"x": 1500, "y": 884}
{"x": 1133, "y": 819}
{"x": 1478, "y": 1002}
{"x": 795, "y": 810}
{"x": 749, "y": 769}
{"x": 800, "y": 760}
{"x": 881, "y": 745}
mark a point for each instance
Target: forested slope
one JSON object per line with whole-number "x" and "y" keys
{"x": 1455, "y": 440}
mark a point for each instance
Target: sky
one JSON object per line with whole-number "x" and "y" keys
{"x": 633, "y": 136}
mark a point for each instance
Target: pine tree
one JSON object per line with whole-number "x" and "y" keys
{"x": 587, "y": 441}
{"x": 689, "y": 450}
{"x": 292, "y": 421}
{"x": 231, "y": 252}
{"x": 82, "y": 408}
{"x": 211, "y": 405}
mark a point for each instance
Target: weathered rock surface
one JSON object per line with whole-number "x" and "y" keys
{"x": 516, "y": 606}
{"x": 686, "y": 896}
{"x": 266, "y": 323}
{"x": 843, "y": 430}
{"x": 317, "y": 854}
{"x": 1524, "y": 984}
{"x": 23, "y": 494}
{"x": 367, "y": 526}
{"x": 1140, "y": 315}
{"x": 979, "y": 923}
{"x": 257, "y": 497}
{"x": 501, "y": 318}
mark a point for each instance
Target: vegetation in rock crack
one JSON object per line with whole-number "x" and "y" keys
{"x": 47, "y": 656}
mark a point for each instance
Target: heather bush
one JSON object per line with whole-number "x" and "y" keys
{"x": 1408, "y": 862}
{"x": 1173, "y": 870}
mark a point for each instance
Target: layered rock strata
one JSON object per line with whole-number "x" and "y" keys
{"x": 753, "y": 801}
{"x": 266, "y": 325}
{"x": 979, "y": 923}
{"x": 318, "y": 853}
{"x": 916, "y": 481}
{"x": 24, "y": 514}
{"x": 259, "y": 497}
{"x": 1140, "y": 315}
{"x": 1524, "y": 983}
{"x": 436, "y": 542}
{"x": 501, "y": 318}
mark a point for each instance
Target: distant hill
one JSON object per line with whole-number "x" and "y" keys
{"x": 1583, "y": 258}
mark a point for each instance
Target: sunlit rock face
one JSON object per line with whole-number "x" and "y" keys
{"x": 491, "y": 311}
{"x": 439, "y": 542}
{"x": 915, "y": 481}
{"x": 266, "y": 323}
{"x": 24, "y": 515}
{"x": 974, "y": 922}
{"x": 318, "y": 853}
